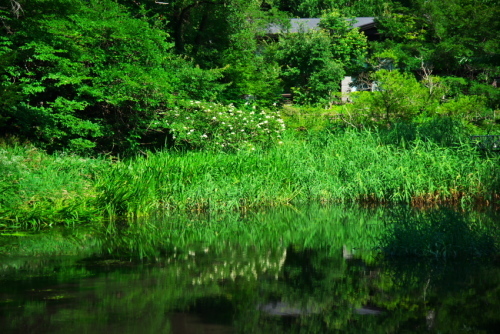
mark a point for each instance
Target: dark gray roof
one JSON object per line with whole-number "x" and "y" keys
{"x": 363, "y": 21}
{"x": 313, "y": 23}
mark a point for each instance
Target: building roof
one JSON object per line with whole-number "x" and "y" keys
{"x": 313, "y": 23}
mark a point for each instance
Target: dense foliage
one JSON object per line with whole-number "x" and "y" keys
{"x": 100, "y": 75}
{"x": 39, "y": 190}
{"x": 314, "y": 62}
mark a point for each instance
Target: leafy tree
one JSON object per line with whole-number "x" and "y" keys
{"x": 465, "y": 36}
{"x": 315, "y": 8}
{"x": 223, "y": 34}
{"x": 251, "y": 69}
{"x": 89, "y": 74}
{"x": 349, "y": 45}
{"x": 456, "y": 37}
{"x": 314, "y": 62}
{"x": 403, "y": 45}
{"x": 309, "y": 68}
{"x": 9, "y": 91}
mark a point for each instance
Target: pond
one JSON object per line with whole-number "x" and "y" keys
{"x": 312, "y": 269}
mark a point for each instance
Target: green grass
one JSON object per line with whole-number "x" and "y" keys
{"x": 39, "y": 190}
{"x": 351, "y": 167}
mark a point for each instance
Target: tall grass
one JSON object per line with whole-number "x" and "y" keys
{"x": 38, "y": 190}
{"x": 352, "y": 167}
{"x": 348, "y": 167}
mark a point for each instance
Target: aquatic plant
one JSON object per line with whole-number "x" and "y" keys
{"x": 351, "y": 167}
{"x": 38, "y": 190}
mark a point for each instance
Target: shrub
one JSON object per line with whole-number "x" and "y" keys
{"x": 432, "y": 107}
{"x": 205, "y": 125}
{"x": 399, "y": 97}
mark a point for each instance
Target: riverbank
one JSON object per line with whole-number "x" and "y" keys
{"x": 40, "y": 190}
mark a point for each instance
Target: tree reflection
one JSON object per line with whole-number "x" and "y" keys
{"x": 279, "y": 282}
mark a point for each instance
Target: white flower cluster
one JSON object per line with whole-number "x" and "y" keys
{"x": 204, "y": 124}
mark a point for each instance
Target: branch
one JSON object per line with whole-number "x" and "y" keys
{"x": 15, "y": 8}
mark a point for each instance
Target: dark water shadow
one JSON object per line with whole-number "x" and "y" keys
{"x": 438, "y": 233}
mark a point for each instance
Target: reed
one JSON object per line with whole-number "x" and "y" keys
{"x": 352, "y": 167}
{"x": 348, "y": 167}
{"x": 40, "y": 190}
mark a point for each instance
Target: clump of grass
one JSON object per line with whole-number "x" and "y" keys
{"x": 40, "y": 190}
{"x": 347, "y": 167}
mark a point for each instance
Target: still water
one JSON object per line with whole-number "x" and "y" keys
{"x": 290, "y": 270}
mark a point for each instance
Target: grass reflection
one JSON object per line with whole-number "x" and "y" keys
{"x": 294, "y": 270}
{"x": 441, "y": 233}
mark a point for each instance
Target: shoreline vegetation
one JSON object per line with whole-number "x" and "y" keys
{"x": 39, "y": 190}
{"x": 134, "y": 107}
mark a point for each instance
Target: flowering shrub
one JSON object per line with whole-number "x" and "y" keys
{"x": 211, "y": 125}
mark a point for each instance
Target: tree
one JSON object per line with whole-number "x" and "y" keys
{"x": 315, "y": 8}
{"x": 465, "y": 35}
{"x": 88, "y": 74}
{"x": 314, "y": 62}
{"x": 456, "y": 37}
{"x": 222, "y": 34}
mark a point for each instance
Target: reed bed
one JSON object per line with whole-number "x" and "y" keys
{"x": 352, "y": 167}
{"x": 39, "y": 190}
{"x": 348, "y": 167}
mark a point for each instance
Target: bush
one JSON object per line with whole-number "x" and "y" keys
{"x": 205, "y": 125}
{"x": 399, "y": 97}
{"x": 307, "y": 117}
{"x": 432, "y": 107}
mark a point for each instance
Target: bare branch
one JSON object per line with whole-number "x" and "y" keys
{"x": 15, "y": 8}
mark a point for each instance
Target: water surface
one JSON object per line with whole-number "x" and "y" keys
{"x": 293, "y": 270}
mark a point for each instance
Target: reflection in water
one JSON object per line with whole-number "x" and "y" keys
{"x": 185, "y": 323}
{"x": 290, "y": 271}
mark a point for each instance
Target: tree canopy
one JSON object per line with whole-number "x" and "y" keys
{"x": 100, "y": 74}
